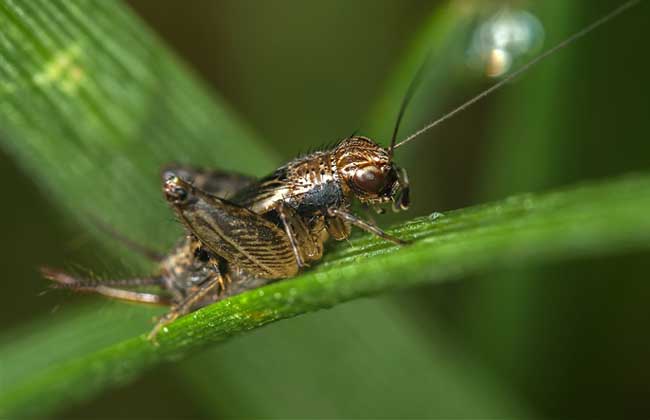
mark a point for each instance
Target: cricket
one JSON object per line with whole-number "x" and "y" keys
{"x": 242, "y": 232}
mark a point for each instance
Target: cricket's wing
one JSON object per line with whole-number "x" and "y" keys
{"x": 264, "y": 194}
{"x": 240, "y": 236}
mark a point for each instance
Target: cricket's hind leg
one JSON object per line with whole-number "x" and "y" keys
{"x": 109, "y": 288}
{"x": 216, "y": 282}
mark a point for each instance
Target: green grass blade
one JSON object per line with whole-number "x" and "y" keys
{"x": 538, "y": 163}
{"x": 544, "y": 131}
{"x": 362, "y": 360}
{"x": 587, "y": 220}
{"x": 93, "y": 105}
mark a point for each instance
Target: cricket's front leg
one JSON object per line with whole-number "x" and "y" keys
{"x": 361, "y": 224}
{"x": 243, "y": 238}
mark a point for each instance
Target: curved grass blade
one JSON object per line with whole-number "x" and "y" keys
{"x": 588, "y": 220}
{"x": 93, "y": 105}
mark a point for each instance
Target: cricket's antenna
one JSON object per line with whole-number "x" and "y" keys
{"x": 407, "y": 98}
{"x": 611, "y": 15}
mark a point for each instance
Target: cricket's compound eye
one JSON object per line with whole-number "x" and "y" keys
{"x": 369, "y": 179}
{"x": 174, "y": 190}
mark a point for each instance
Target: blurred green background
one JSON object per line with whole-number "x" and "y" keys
{"x": 568, "y": 339}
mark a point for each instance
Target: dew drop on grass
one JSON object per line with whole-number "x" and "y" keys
{"x": 502, "y": 38}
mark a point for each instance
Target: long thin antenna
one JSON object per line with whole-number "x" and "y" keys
{"x": 405, "y": 101}
{"x": 522, "y": 69}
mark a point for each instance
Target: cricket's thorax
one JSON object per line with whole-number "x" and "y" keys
{"x": 308, "y": 184}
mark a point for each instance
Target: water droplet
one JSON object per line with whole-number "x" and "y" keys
{"x": 502, "y": 38}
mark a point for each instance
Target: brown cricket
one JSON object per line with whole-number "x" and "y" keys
{"x": 265, "y": 230}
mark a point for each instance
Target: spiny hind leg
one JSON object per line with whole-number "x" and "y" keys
{"x": 216, "y": 282}
{"x": 63, "y": 280}
{"x": 362, "y": 224}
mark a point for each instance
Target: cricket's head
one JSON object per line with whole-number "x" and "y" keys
{"x": 369, "y": 173}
